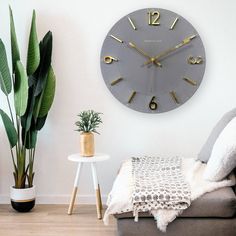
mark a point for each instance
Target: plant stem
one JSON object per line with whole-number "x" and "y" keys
{"x": 13, "y": 160}
{"x": 12, "y": 155}
{"x": 8, "y": 102}
{"x": 34, "y": 153}
{"x": 30, "y": 179}
{"x": 9, "y": 106}
{"x": 18, "y": 130}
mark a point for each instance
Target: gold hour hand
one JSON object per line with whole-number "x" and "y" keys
{"x": 132, "y": 45}
{"x": 168, "y": 51}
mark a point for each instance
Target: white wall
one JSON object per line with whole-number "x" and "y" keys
{"x": 79, "y": 28}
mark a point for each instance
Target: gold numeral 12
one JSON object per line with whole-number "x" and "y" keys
{"x": 153, "y": 18}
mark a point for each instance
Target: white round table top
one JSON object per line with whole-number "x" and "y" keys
{"x": 96, "y": 158}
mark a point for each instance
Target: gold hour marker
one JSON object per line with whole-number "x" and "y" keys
{"x": 117, "y": 39}
{"x": 132, "y": 23}
{"x": 116, "y": 81}
{"x": 190, "y": 81}
{"x": 174, "y": 23}
{"x": 174, "y": 97}
{"x": 131, "y": 97}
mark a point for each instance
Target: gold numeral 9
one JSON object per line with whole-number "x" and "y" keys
{"x": 109, "y": 59}
{"x": 153, "y": 105}
{"x": 153, "y": 18}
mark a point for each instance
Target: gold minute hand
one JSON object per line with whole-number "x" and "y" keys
{"x": 132, "y": 45}
{"x": 162, "y": 54}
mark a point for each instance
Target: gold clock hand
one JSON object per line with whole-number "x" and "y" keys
{"x": 170, "y": 50}
{"x": 132, "y": 45}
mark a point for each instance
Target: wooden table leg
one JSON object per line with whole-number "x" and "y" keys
{"x": 99, "y": 195}
{"x": 72, "y": 200}
{"x": 76, "y": 182}
{"x": 97, "y": 190}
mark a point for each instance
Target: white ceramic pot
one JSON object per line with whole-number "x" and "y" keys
{"x": 23, "y": 199}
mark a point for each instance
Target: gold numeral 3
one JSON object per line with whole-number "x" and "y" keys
{"x": 195, "y": 60}
{"x": 153, "y": 18}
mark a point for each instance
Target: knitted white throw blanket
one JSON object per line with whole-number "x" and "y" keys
{"x": 120, "y": 198}
{"x": 158, "y": 184}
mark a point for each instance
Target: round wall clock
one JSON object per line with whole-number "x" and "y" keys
{"x": 153, "y": 60}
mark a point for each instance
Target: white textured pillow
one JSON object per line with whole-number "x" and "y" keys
{"x": 223, "y": 157}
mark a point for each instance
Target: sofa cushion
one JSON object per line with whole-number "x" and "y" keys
{"x": 206, "y": 150}
{"x": 219, "y": 203}
{"x": 223, "y": 157}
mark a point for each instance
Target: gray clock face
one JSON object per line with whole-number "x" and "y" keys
{"x": 153, "y": 60}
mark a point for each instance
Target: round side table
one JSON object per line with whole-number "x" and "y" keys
{"x": 98, "y": 157}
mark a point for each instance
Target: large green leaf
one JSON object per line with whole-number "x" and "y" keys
{"x": 27, "y": 117}
{"x": 33, "y": 57}
{"x": 48, "y": 94}
{"x": 2, "y": 84}
{"x": 5, "y": 79}
{"x": 14, "y": 45}
{"x": 21, "y": 89}
{"x": 45, "y": 53}
{"x": 45, "y": 62}
{"x": 31, "y": 139}
{"x": 40, "y": 122}
{"x": 10, "y": 128}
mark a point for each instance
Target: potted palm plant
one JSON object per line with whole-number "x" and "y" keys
{"x": 32, "y": 90}
{"x": 87, "y": 124}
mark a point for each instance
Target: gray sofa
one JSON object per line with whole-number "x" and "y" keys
{"x": 212, "y": 214}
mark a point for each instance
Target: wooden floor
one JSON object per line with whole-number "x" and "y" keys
{"x": 51, "y": 220}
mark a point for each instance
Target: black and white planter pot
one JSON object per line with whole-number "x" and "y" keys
{"x": 23, "y": 199}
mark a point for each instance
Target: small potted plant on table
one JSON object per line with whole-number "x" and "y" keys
{"x": 87, "y": 124}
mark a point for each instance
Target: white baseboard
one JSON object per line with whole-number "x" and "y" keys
{"x": 58, "y": 199}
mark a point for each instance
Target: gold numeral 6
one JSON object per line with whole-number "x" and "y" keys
{"x": 153, "y": 18}
{"x": 153, "y": 105}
